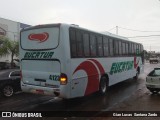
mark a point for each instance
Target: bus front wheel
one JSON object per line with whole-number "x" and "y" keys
{"x": 103, "y": 85}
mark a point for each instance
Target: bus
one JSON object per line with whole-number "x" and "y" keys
{"x": 69, "y": 61}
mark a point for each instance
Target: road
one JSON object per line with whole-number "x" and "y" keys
{"x": 116, "y": 94}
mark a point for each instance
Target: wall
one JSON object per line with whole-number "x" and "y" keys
{"x": 10, "y": 29}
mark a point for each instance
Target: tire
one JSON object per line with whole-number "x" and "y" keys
{"x": 103, "y": 85}
{"x": 7, "y": 91}
{"x": 137, "y": 74}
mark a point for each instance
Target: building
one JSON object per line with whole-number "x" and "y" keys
{"x": 10, "y": 29}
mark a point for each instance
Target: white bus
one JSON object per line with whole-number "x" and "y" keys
{"x": 69, "y": 61}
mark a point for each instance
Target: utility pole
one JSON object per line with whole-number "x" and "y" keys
{"x": 117, "y": 30}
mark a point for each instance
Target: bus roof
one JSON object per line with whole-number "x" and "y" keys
{"x": 77, "y": 26}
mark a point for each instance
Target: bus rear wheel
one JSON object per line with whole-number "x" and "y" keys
{"x": 103, "y": 85}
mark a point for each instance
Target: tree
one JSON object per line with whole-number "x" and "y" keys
{"x": 9, "y": 47}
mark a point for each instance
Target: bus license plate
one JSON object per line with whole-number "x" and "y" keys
{"x": 40, "y": 91}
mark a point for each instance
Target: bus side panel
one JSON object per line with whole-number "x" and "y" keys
{"x": 86, "y": 77}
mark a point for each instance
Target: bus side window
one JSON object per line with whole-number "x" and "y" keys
{"x": 127, "y": 49}
{"x": 106, "y": 46}
{"x": 139, "y": 48}
{"x": 116, "y": 47}
{"x": 79, "y": 44}
{"x": 93, "y": 44}
{"x": 111, "y": 47}
{"x": 100, "y": 46}
{"x": 135, "y": 47}
{"x": 73, "y": 43}
{"x": 86, "y": 44}
{"x": 120, "y": 47}
{"x": 130, "y": 48}
{"x": 123, "y": 48}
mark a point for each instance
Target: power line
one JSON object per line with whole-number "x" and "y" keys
{"x": 145, "y": 36}
{"x": 137, "y": 30}
{"x": 111, "y": 29}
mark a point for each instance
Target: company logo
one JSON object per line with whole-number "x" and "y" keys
{"x": 2, "y": 31}
{"x": 93, "y": 69}
{"x": 41, "y": 37}
{"x": 38, "y": 55}
{"x": 119, "y": 67}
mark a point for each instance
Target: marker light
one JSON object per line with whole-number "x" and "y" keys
{"x": 63, "y": 79}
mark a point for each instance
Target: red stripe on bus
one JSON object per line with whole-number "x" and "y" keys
{"x": 102, "y": 71}
{"x": 92, "y": 74}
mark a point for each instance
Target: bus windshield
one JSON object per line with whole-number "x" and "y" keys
{"x": 40, "y": 39}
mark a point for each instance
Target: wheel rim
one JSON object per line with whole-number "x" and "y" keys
{"x": 8, "y": 91}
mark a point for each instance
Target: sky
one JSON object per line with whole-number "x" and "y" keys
{"x": 133, "y": 18}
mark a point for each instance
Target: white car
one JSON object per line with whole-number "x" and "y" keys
{"x": 153, "y": 60}
{"x": 153, "y": 80}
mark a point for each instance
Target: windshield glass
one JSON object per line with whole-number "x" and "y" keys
{"x": 155, "y": 73}
{"x": 40, "y": 39}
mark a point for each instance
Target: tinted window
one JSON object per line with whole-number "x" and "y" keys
{"x": 120, "y": 48}
{"x": 86, "y": 44}
{"x": 89, "y": 44}
{"x": 155, "y": 72}
{"x": 111, "y": 47}
{"x": 141, "y": 47}
{"x": 100, "y": 46}
{"x": 105, "y": 46}
{"x": 79, "y": 44}
{"x": 135, "y": 47}
{"x": 127, "y": 48}
{"x": 116, "y": 47}
{"x": 15, "y": 73}
{"x": 73, "y": 42}
{"x": 130, "y": 48}
{"x": 93, "y": 43}
{"x": 123, "y": 48}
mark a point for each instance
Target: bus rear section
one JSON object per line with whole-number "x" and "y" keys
{"x": 40, "y": 60}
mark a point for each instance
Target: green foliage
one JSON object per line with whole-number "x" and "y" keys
{"x": 8, "y": 47}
